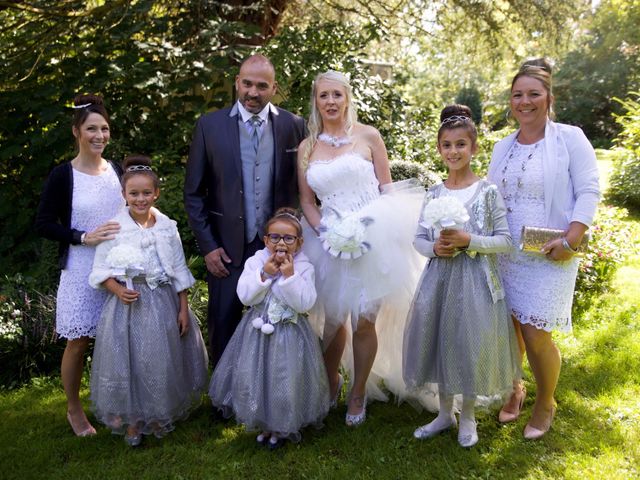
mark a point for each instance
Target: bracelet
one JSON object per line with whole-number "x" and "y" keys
{"x": 83, "y": 238}
{"x": 567, "y": 246}
{"x": 265, "y": 274}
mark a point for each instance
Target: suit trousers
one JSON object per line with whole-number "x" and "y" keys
{"x": 224, "y": 308}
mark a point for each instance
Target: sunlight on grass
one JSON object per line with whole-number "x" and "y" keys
{"x": 596, "y": 434}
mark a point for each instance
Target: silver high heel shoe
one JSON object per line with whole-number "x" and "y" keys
{"x": 87, "y": 432}
{"x": 359, "y": 418}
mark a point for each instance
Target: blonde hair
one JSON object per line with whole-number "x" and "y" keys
{"x": 315, "y": 125}
{"x": 539, "y": 69}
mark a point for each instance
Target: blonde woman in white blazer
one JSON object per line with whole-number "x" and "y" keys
{"x": 548, "y": 176}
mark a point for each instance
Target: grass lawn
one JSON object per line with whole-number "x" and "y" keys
{"x": 596, "y": 433}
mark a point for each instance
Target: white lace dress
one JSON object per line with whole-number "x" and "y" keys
{"x": 377, "y": 285}
{"x": 96, "y": 199}
{"x": 539, "y": 291}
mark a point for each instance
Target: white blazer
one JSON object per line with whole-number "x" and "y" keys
{"x": 571, "y": 187}
{"x": 166, "y": 239}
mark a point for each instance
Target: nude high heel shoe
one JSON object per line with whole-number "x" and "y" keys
{"x": 532, "y": 433}
{"x": 506, "y": 417}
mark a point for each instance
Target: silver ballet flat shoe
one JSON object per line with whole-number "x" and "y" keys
{"x": 425, "y": 431}
{"x": 133, "y": 440}
{"x": 468, "y": 440}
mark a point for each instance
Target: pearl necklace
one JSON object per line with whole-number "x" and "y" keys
{"x": 334, "y": 141}
{"x": 519, "y": 183}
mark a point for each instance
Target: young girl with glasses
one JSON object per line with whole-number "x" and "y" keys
{"x": 271, "y": 375}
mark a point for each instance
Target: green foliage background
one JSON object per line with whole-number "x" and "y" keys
{"x": 160, "y": 65}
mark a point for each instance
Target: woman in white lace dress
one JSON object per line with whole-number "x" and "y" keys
{"x": 548, "y": 176}
{"x": 366, "y": 268}
{"x": 78, "y": 199}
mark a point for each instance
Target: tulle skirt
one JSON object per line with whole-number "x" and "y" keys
{"x": 457, "y": 338}
{"x": 276, "y": 383}
{"x": 143, "y": 372}
{"x": 377, "y": 286}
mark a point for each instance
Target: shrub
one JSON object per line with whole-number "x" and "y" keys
{"x": 470, "y": 96}
{"x": 608, "y": 247}
{"x": 624, "y": 183}
{"x": 29, "y": 345}
{"x": 625, "y": 179}
{"x": 405, "y": 169}
{"x": 486, "y": 140}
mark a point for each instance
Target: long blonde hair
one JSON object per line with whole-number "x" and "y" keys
{"x": 315, "y": 125}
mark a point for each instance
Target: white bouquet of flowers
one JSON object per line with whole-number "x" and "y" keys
{"x": 344, "y": 237}
{"x": 125, "y": 261}
{"x": 444, "y": 212}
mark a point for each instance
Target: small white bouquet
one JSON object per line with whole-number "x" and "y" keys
{"x": 444, "y": 212}
{"x": 344, "y": 237}
{"x": 125, "y": 261}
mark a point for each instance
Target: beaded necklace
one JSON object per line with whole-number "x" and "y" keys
{"x": 523, "y": 167}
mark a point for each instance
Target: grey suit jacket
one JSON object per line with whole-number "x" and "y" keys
{"x": 213, "y": 192}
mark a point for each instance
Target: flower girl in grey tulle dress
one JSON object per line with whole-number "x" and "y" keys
{"x": 271, "y": 375}
{"x": 459, "y": 339}
{"x": 149, "y": 365}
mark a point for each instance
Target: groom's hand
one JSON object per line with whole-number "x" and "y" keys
{"x": 215, "y": 261}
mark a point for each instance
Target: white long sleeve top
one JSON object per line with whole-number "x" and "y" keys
{"x": 297, "y": 292}
{"x": 163, "y": 237}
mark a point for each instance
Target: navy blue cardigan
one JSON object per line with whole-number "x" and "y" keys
{"x": 53, "y": 220}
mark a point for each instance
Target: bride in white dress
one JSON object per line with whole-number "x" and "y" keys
{"x": 359, "y": 238}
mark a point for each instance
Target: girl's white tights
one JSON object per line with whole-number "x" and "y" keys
{"x": 467, "y": 415}
{"x": 467, "y": 434}
{"x": 445, "y": 419}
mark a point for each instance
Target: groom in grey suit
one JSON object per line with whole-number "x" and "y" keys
{"x": 241, "y": 169}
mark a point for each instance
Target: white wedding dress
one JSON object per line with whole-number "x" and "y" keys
{"x": 380, "y": 283}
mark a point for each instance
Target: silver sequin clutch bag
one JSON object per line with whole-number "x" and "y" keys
{"x": 532, "y": 239}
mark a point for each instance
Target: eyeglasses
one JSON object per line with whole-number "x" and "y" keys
{"x": 276, "y": 237}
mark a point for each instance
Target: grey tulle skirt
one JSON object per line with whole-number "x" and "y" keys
{"x": 143, "y": 373}
{"x": 457, "y": 339}
{"x": 277, "y": 382}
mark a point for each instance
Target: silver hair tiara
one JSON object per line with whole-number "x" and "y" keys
{"x": 287, "y": 214}
{"x": 139, "y": 168}
{"x": 77, "y": 107}
{"x": 542, "y": 67}
{"x": 455, "y": 118}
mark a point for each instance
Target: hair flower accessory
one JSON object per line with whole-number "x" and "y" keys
{"x": 125, "y": 262}
{"x": 444, "y": 212}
